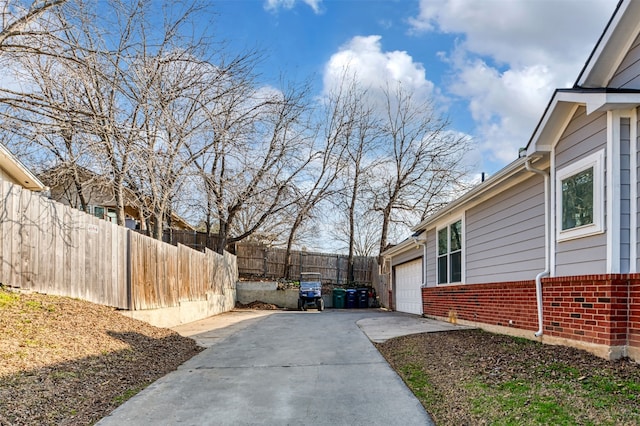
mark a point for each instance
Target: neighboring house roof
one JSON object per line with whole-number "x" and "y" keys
{"x": 99, "y": 191}
{"x": 18, "y": 171}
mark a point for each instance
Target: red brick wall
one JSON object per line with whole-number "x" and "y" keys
{"x": 634, "y": 314}
{"x": 591, "y": 308}
{"x": 494, "y": 304}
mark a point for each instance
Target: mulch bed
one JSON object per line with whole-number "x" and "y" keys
{"x": 69, "y": 362}
{"x": 472, "y": 371}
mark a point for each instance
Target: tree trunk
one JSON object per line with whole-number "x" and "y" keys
{"x": 292, "y": 234}
{"x": 222, "y": 237}
{"x": 352, "y": 227}
{"x": 386, "y": 217}
{"x": 158, "y": 225}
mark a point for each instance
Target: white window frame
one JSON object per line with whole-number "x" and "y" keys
{"x": 595, "y": 160}
{"x": 462, "y": 251}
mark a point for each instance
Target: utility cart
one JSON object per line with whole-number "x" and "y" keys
{"x": 310, "y": 291}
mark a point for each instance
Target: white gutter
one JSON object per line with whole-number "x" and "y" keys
{"x": 424, "y": 264}
{"x": 547, "y": 242}
{"x": 501, "y": 176}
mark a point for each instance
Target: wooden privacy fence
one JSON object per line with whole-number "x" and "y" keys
{"x": 194, "y": 239}
{"x": 163, "y": 275}
{"x": 256, "y": 260}
{"x": 55, "y": 249}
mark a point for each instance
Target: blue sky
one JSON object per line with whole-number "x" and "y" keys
{"x": 491, "y": 65}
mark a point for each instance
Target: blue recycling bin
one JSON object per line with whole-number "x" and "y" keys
{"x": 363, "y": 298}
{"x": 352, "y": 301}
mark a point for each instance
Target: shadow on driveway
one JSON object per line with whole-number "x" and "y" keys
{"x": 281, "y": 368}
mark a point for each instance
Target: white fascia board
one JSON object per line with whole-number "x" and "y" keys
{"x": 466, "y": 200}
{"x": 406, "y": 245}
{"x": 612, "y": 46}
{"x": 556, "y": 118}
{"x": 18, "y": 171}
{"x": 562, "y": 108}
{"x": 601, "y": 102}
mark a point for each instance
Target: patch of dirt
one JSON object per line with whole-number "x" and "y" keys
{"x": 69, "y": 362}
{"x": 470, "y": 377}
{"x": 256, "y": 304}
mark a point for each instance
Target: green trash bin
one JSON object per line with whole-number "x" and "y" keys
{"x": 338, "y": 298}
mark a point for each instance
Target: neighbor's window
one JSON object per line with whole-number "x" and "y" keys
{"x": 98, "y": 212}
{"x": 450, "y": 253}
{"x": 579, "y": 191}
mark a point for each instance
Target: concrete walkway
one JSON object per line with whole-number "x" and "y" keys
{"x": 284, "y": 368}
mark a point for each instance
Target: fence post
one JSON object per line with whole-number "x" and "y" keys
{"x": 301, "y": 264}
{"x": 264, "y": 262}
{"x": 128, "y": 273}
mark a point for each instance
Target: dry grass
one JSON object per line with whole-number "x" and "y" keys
{"x": 473, "y": 377}
{"x": 70, "y": 362}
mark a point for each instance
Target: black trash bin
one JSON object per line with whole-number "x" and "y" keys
{"x": 338, "y": 298}
{"x": 363, "y": 298}
{"x": 352, "y": 299}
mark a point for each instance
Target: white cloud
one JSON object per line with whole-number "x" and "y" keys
{"x": 274, "y": 5}
{"x": 509, "y": 57}
{"x": 376, "y": 69}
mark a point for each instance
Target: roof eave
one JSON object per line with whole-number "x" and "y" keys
{"x": 403, "y": 246}
{"x": 19, "y": 171}
{"x": 563, "y": 105}
{"x": 489, "y": 184}
{"x": 612, "y": 46}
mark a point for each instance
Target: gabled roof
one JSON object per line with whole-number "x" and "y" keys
{"x": 563, "y": 104}
{"x": 590, "y": 90}
{"x": 61, "y": 175}
{"x": 612, "y": 46}
{"x": 18, "y": 171}
{"x": 591, "y": 87}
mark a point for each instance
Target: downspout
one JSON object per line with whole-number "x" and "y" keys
{"x": 423, "y": 243}
{"x": 547, "y": 242}
{"x": 424, "y": 264}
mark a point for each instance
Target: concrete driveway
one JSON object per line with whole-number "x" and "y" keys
{"x": 284, "y": 368}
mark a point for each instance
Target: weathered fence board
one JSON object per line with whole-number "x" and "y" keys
{"x": 260, "y": 261}
{"x": 52, "y": 248}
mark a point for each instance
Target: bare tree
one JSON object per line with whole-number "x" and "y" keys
{"x": 75, "y": 94}
{"x": 422, "y": 160}
{"x": 45, "y": 107}
{"x": 366, "y": 236}
{"x": 319, "y": 181}
{"x": 20, "y": 19}
{"x": 259, "y": 146}
{"x": 363, "y": 139}
{"x": 169, "y": 88}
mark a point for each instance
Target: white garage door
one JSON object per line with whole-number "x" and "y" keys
{"x": 408, "y": 283}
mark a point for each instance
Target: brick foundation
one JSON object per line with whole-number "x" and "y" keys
{"x": 598, "y": 311}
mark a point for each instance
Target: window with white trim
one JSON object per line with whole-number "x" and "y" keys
{"x": 579, "y": 200}
{"x": 450, "y": 253}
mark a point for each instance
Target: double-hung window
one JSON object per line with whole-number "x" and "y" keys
{"x": 450, "y": 253}
{"x": 579, "y": 198}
